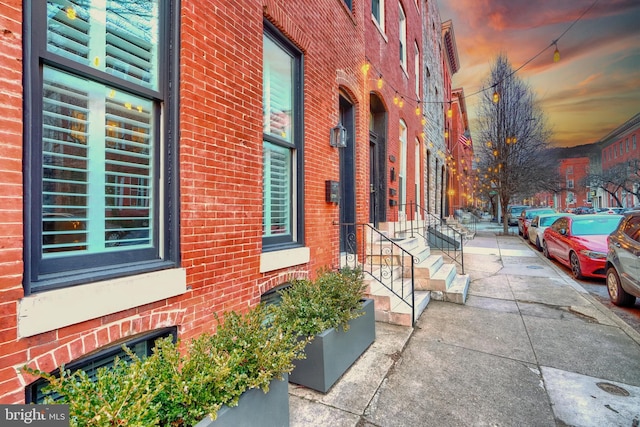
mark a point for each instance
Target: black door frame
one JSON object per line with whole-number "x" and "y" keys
{"x": 347, "y": 205}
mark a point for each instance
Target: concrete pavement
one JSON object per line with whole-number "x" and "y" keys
{"x": 530, "y": 348}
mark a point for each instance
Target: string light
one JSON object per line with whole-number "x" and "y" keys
{"x": 556, "y": 53}
{"x": 380, "y": 82}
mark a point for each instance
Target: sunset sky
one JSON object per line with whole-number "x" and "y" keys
{"x": 594, "y": 88}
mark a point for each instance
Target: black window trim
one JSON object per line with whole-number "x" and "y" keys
{"x": 36, "y": 57}
{"x": 296, "y": 239}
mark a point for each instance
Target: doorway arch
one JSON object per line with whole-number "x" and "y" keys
{"x": 377, "y": 160}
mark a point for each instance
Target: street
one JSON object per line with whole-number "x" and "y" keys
{"x": 598, "y": 289}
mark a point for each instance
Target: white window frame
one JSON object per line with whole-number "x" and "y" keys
{"x": 380, "y": 12}
{"x": 402, "y": 165}
{"x": 416, "y": 69}
{"x": 402, "y": 36}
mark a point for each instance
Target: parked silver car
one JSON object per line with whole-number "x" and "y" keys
{"x": 538, "y": 224}
{"x": 513, "y": 212}
{"x": 623, "y": 261}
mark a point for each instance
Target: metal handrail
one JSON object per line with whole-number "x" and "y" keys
{"x": 412, "y": 219}
{"x": 381, "y": 258}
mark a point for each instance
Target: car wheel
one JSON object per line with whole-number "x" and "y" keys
{"x": 545, "y": 250}
{"x": 113, "y": 239}
{"x": 538, "y": 246}
{"x": 575, "y": 265}
{"x": 618, "y": 295}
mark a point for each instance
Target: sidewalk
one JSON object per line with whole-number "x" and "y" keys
{"x": 530, "y": 348}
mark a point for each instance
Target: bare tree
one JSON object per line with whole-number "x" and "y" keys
{"x": 623, "y": 176}
{"x": 512, "y": 138}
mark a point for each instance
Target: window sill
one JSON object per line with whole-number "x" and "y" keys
{"x": 379, "y": 27}
{"x": 270, "y": 261}
{"x": 47, "y": 311}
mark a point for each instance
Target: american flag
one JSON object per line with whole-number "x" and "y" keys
{"x": 464, "y": 139}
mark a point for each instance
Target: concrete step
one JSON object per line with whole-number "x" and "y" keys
{"x": 456, "y": 292}
{"x": 442, "y": 279}
{"x": 391, "y": 309}
{"x": 426, "y": 269}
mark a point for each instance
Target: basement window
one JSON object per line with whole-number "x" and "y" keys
{"x": 141, "y": 346}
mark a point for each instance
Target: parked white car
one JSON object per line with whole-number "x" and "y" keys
{"x": 538, "y": 224}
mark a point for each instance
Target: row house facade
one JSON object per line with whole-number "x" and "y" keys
{"x": 167, "y": 161}
{"x": 462, "y": 178}
{"x": 620, "y": 150}
{"x": 572, "y": 172}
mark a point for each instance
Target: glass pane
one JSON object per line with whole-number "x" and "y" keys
{"x": 128, "y": 169}
{"x": 375, "y": 9}
{"x": 65, "y": 167}
{"x": 277, "y": 102}
{"x": 97, "y": 167}
{"x": 118, "y": 37}
{"x": 277, "y": 190}
{"x": 131, "y": 41}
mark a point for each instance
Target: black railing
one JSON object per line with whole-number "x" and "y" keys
{"x": 412, "y": 219}
{"x": 468, "y": 219}
{"x": 381, "y": 259}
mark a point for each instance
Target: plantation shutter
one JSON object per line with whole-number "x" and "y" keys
{"x": 277, "y": 190}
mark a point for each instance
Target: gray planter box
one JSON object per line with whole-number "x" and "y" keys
{"x": 256, "y": 408}
{"x": 333, "y": 351}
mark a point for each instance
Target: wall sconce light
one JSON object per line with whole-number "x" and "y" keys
{"x": 338, "y": 137}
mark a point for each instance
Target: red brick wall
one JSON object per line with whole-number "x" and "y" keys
{"x": 383, "y": 53}
{"x": 220, "y": 170}
{"x": 11, "y": 352}
{"x": 577, "y": 169}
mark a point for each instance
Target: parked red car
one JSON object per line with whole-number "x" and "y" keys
{"x": 580, "y": 243}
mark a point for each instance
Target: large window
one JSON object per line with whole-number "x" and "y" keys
{"x": 377, "y": 11}
{"x": 282, "y": 142}
{"x": 402, "y": 166}
{"x": 100, "y": 141}
{"x": 416, "y": 69}
{"x": 402, "y": 36}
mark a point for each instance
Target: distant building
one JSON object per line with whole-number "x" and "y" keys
{"x": 572, "y": 174}
{"x": 620, "y": 147}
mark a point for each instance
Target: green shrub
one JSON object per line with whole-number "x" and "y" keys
{"x": 122, "y": 394}
{"x": 310, "y": 307}
{"x": 169, "y": 388}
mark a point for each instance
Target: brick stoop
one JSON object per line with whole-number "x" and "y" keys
{"x": 433, "y": 278}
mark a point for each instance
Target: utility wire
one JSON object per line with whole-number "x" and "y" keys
{"x": 553, "y": 43}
